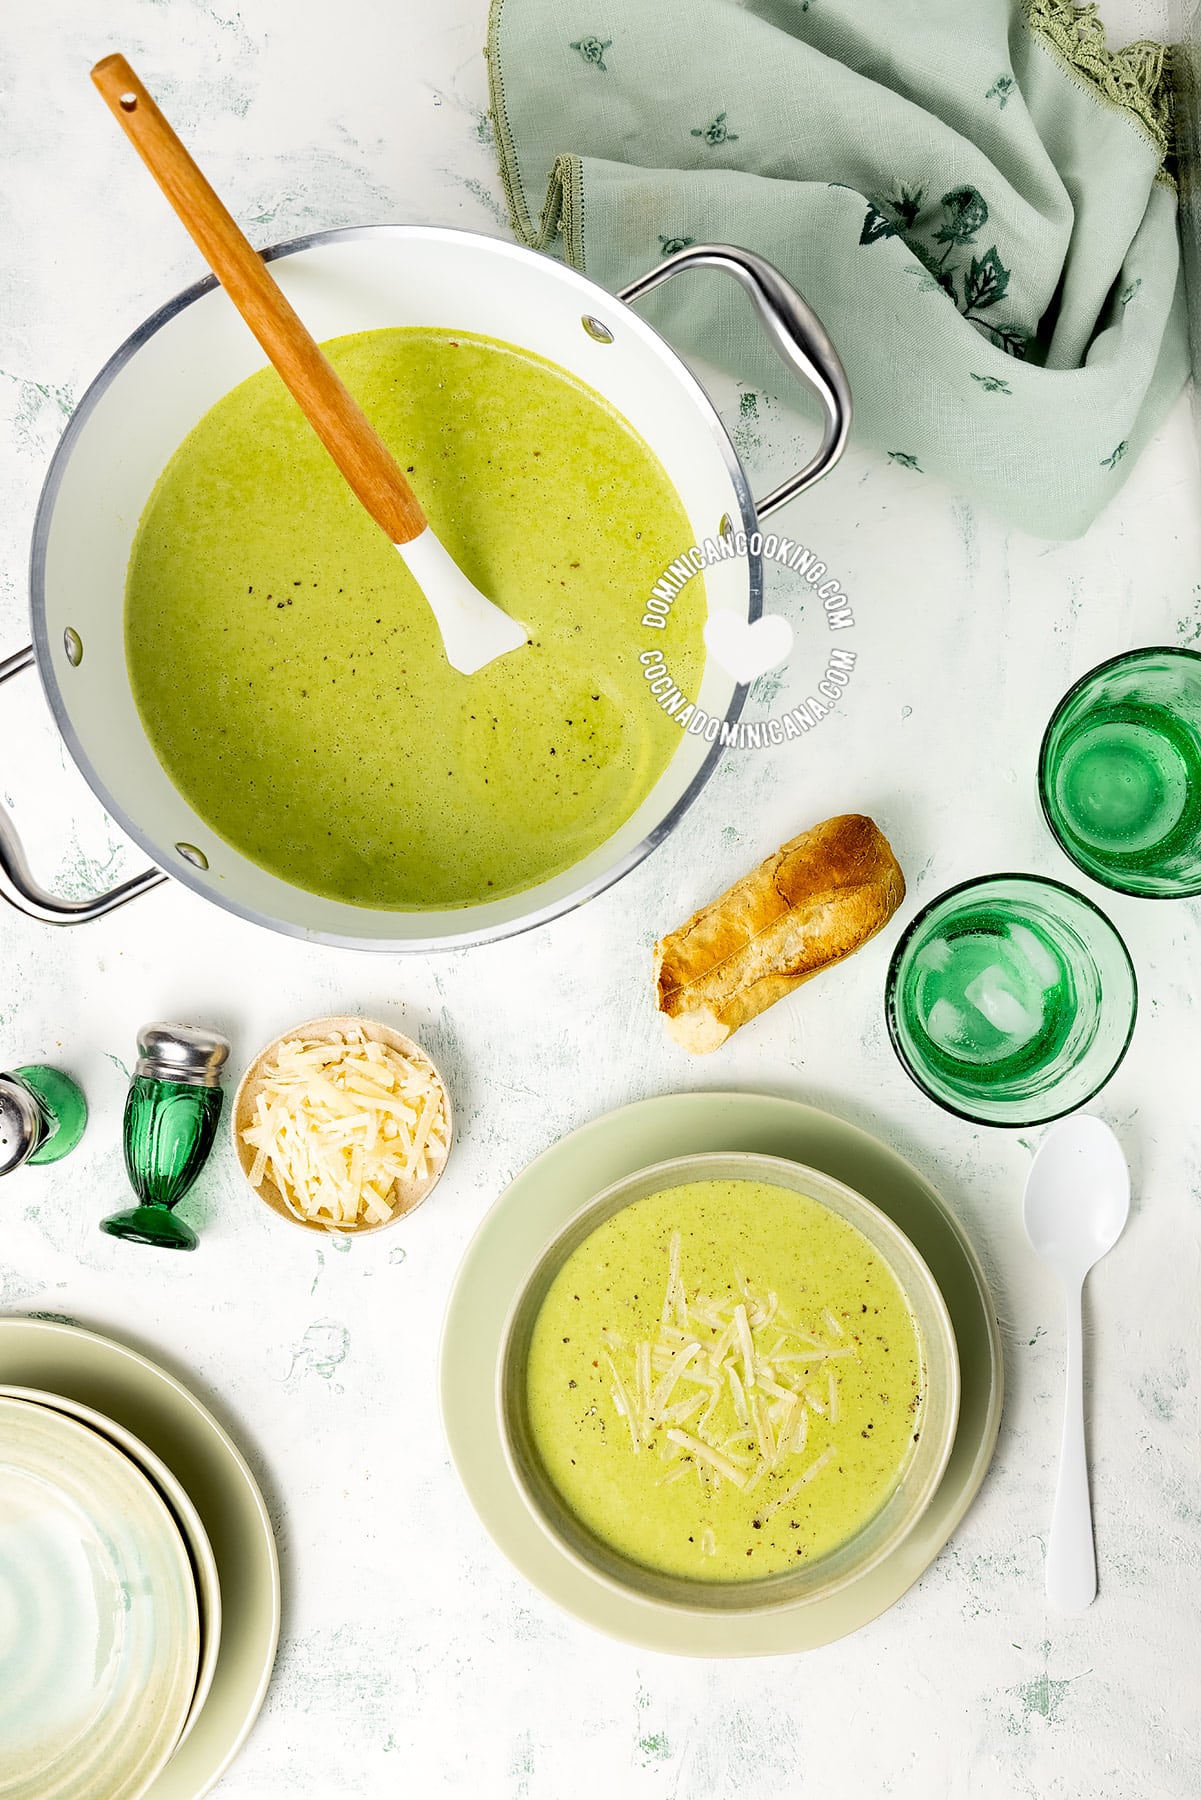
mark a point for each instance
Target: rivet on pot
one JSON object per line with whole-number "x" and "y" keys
{"x": 596, "y": 329}
{"x": 191, "y": 854}
{"x": 726, "y": 528}
{"x": 73, "y": 645}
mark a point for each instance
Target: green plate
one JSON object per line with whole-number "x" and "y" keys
{"x": 158, "y": 1409}
{"x": 545, "y": 1196}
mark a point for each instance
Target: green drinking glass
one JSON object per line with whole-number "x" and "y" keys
{"x": 1119, "y": 773}
{"x": 1010, "y": 1000}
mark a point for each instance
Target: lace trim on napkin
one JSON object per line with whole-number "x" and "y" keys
{"x": 1137, "y": 79}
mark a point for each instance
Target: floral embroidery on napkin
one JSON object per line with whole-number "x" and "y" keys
{"x": 592, "y": 49}
{"x": 716, "y": 132}
{"x": 985, "y": 280}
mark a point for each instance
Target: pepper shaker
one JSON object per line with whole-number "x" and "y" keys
{"x": 42, "y": 1116}
{"x": 171, "y": 1113}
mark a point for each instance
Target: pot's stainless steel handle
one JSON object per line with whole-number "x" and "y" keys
{"x": 17, "y": 883}
{"x": 798, "y": 337}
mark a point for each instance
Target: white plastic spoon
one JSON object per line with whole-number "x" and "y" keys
{"x": 1077, "y": 1201}
{"x": 474, "y": 630}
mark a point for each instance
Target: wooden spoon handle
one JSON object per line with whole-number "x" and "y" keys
{"x": 336, "y": 417}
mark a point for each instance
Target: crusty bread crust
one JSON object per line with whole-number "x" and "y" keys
{"x": 806, "y": 907}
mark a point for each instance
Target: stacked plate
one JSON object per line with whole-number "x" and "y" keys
{"x": 110, "y": 1605}
{"x": 126, "y": 1511}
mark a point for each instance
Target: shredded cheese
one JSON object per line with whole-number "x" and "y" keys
{"x": 345, "y": 1128}
{"x": 722, "y": 1392}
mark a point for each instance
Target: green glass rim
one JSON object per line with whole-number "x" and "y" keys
{"x": 1114, "y": 885}
{"x": 891, "y": 983}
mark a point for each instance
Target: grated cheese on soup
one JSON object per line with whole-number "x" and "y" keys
{"x": 725, "y": 1388}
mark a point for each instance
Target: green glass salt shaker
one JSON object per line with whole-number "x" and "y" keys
{"x": 171, "y": 1114}
{"x": 42, "y": 1116}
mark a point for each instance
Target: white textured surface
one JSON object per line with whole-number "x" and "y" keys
{"x": 413, "y": 1660}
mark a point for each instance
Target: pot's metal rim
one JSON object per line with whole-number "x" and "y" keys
{"x": 181, "y": 871}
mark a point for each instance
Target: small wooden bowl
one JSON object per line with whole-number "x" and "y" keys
{"x": 324, "y": 1031}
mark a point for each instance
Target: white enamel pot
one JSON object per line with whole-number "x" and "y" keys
{"x": 166, "y": 376}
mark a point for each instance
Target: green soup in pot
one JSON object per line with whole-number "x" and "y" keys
{"x": 724, "y": 1380}
{"x": 289, "y": 673}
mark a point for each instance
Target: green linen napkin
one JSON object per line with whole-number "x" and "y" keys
{"x": 973, "y": 198}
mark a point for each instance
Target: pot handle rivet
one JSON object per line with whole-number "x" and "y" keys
{"x": 191, "y": 854}
{"x": 73, "y": 645}
{"x": 596, "y": 329}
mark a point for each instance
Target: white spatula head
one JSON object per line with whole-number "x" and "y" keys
{"x": 474, "y": 630}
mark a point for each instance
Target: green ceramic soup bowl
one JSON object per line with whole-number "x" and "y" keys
{"x": 902, "y": 1498}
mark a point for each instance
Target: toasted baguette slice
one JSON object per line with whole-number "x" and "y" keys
{"x": 812, "y": 903}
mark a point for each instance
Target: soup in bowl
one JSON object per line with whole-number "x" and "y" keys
{"x": 730, "y": 1383}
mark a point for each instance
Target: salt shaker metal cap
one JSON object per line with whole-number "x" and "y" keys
{"x": 21, "y": 1124}
{"x": 186, "y": 1053}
